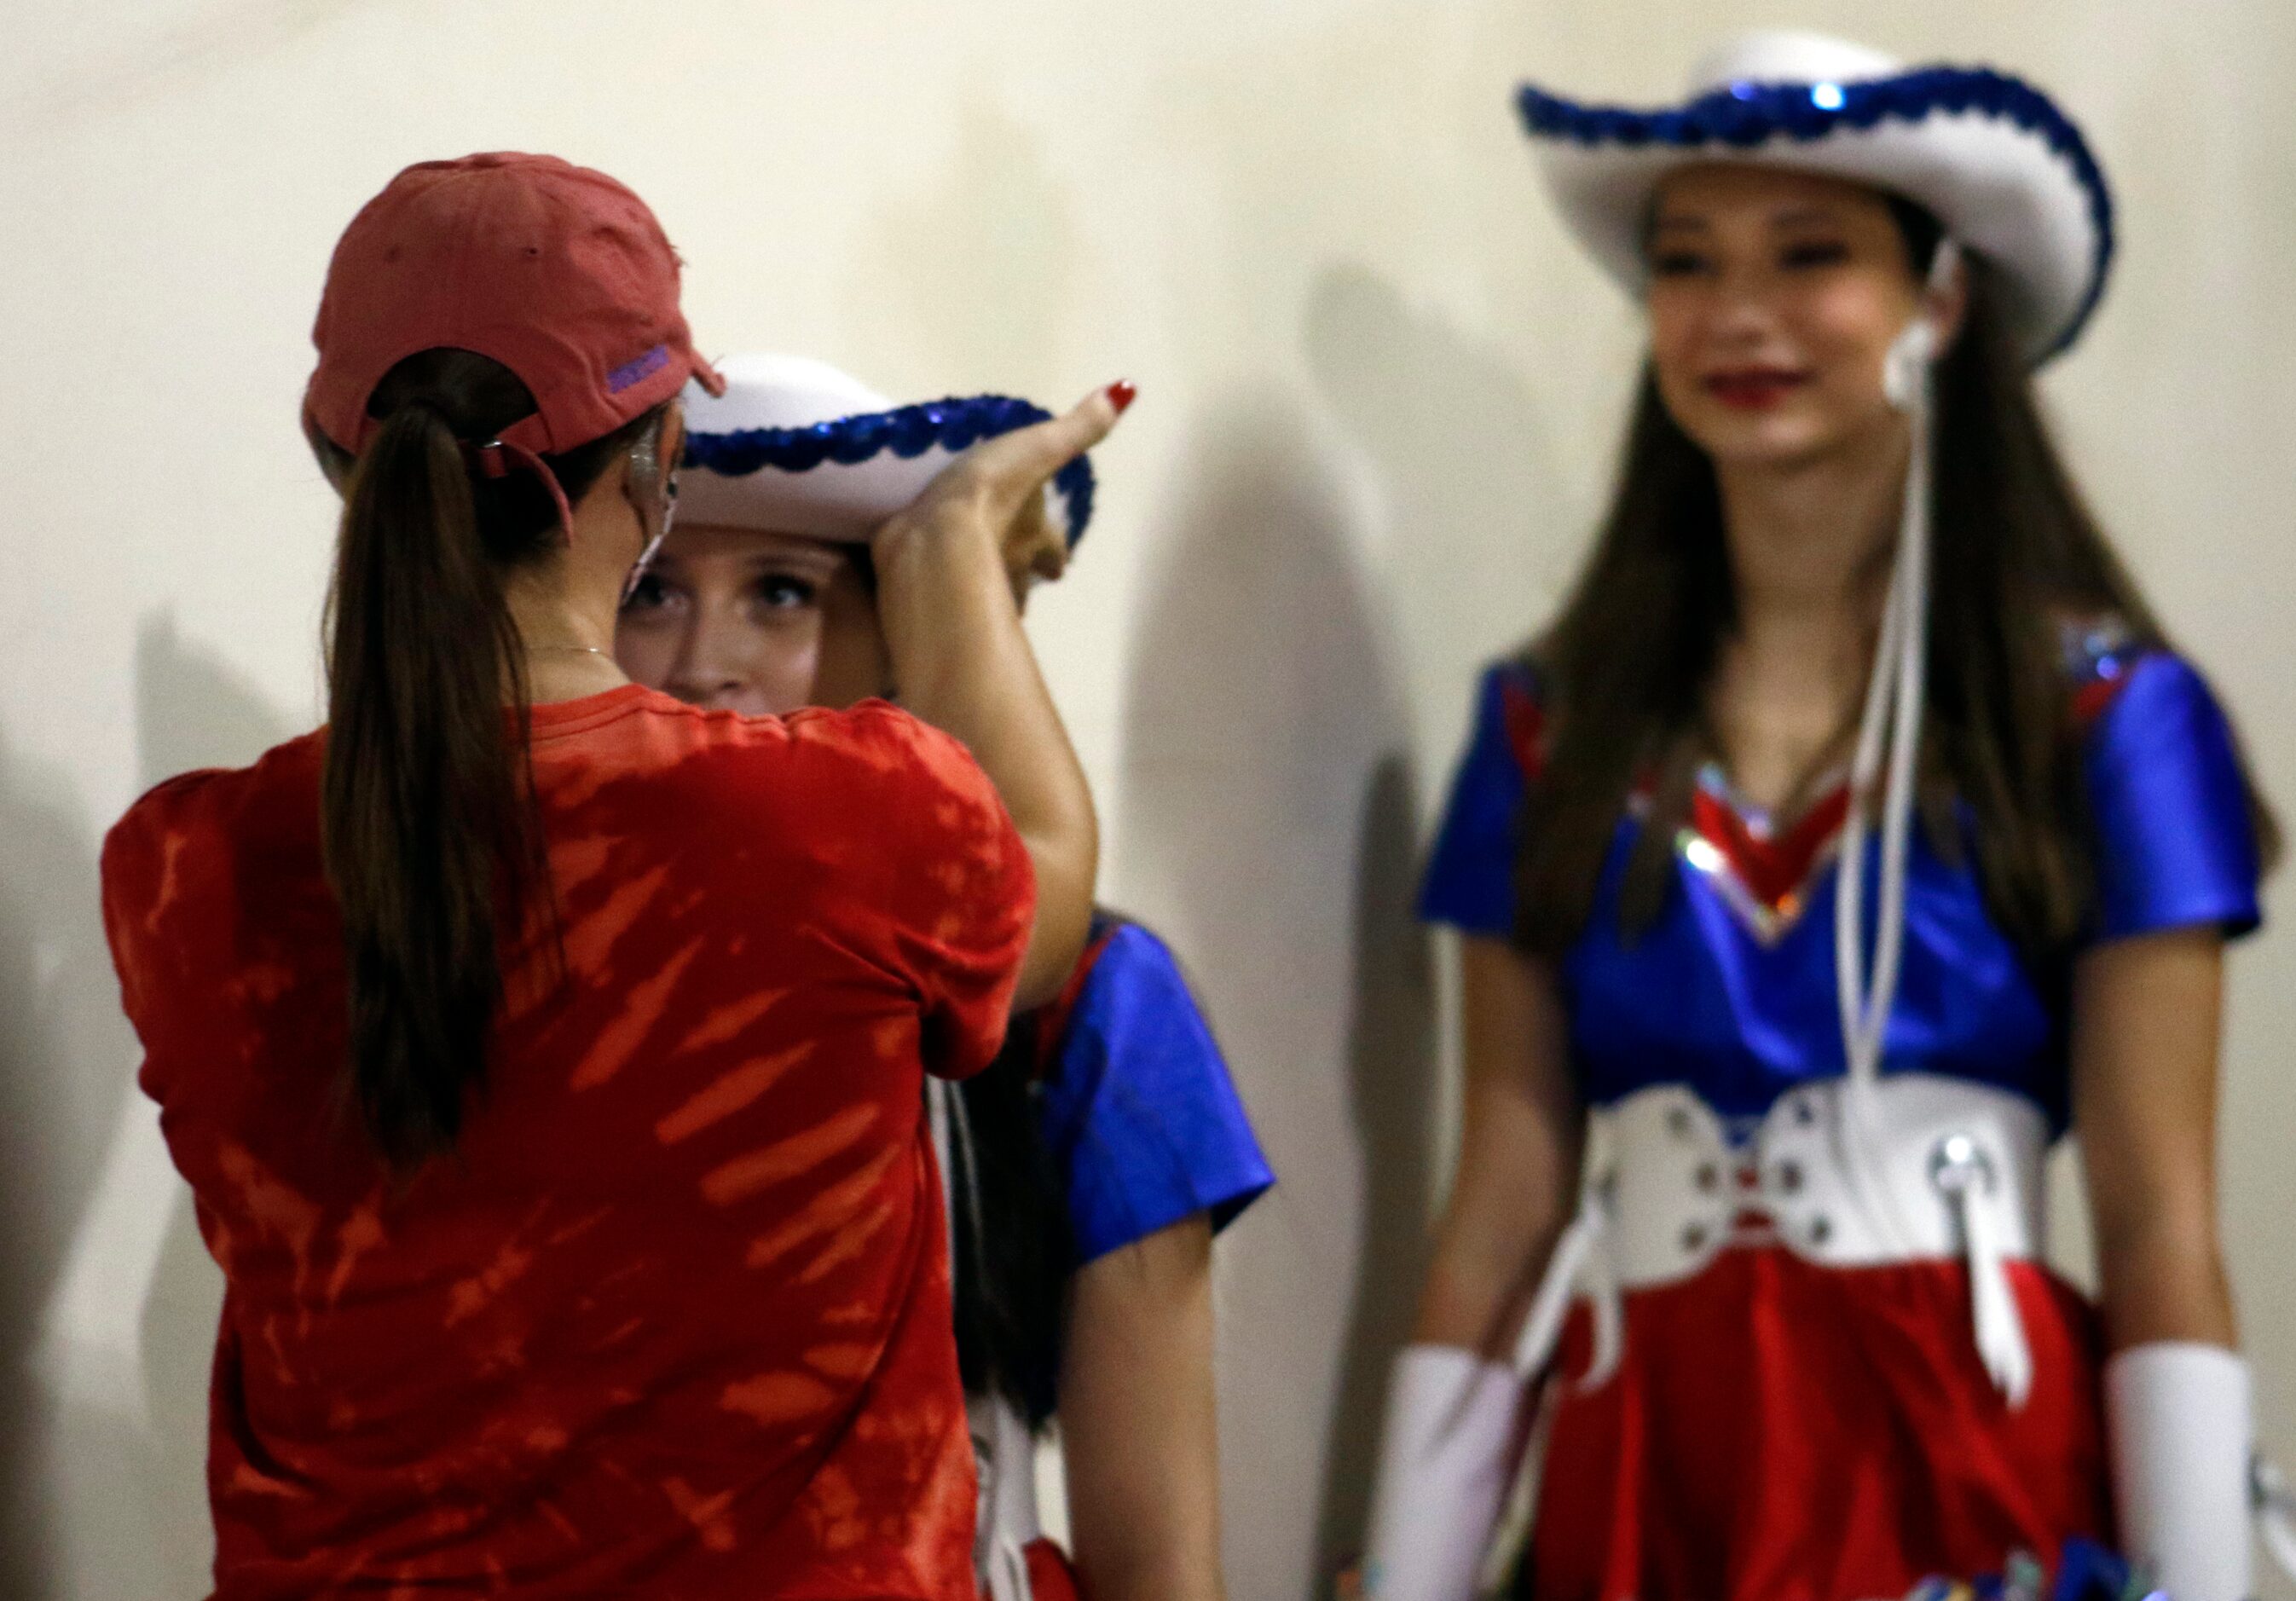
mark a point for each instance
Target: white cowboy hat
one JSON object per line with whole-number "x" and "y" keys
{"x": 794, "y": 446}
{"x": 1991, "y": 157}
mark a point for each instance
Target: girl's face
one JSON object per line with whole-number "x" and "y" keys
{"x": 758, "y": 623}
{"x": 1774, "y": 298}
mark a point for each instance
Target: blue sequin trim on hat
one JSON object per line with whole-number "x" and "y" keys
{"x": 1745, "y": 115}
{"x": 908, "y": 432}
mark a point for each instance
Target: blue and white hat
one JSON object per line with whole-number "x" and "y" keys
{"x": 797, "y": 447}
{"x": 1997, "y": 163}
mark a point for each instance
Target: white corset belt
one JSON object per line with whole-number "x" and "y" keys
{"x": 1928, "y": 1167}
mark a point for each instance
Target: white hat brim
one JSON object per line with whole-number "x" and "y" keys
{"x": 832, "y": 501}
{"x": 842, "y": 476}
{"x": 1989, "y": 156}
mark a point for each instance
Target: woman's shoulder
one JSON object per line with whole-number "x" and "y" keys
{"x": 1116, "y": 952}
{"x": 219, "y": 802}
{"x": 2174, "y": 832}
{"x": 1513, "y": 724}
{"x": 873, "y": 748}
{"x": 894, "y": 811}
{"x": 1126, "y": 989}
{"x": 1127, "y": 963}
{"x": 195, "y": 837}
{"x": 884, "y": 737}
{"x": 1123, "y": 945}
{"x": 2116, "y": 676}
{"x": 1520, "y": 675}
{"x": 1139, "y": 1107}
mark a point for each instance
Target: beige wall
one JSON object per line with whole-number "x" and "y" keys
{"x": 1379, "y": 394}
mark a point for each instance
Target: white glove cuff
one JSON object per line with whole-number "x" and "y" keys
{"x": 1445, "y": 1464}
{"x": 2179, "y": 1414}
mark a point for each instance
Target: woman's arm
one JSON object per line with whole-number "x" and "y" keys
{"x": 1519, "y": 1153}
{"x": 2179, "y": 1411}
{"x": 1137, "y": 1430}
{"x": 2144, "y": 1036}
{"x": 953, "y": 631}
{"x": 1454, "y": 1401}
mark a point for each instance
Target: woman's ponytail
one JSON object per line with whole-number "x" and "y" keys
{"x": 428, "y": 825}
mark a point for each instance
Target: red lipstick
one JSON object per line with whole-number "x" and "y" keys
{"x": 1753, "y": 389}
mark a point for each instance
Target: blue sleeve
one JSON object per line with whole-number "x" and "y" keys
{"x": 1470, "y": 882}
{"x": 1140, "y": 1115}
{"x": 2175, "y": 847}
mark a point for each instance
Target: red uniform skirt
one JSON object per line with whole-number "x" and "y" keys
{"x": 1052, "y": 1577}
{"x": 1779, "y": 1431}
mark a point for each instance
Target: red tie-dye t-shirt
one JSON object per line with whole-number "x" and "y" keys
{"x": 673, "y": 1320}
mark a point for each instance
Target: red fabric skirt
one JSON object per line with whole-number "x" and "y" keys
{"x": 1050, "y": 1575}
{"x": 1779, "y": 1431}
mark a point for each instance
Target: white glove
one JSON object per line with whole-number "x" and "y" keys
{"x": 1445, "y": 1464}
{"x": 2179, "y": 1414}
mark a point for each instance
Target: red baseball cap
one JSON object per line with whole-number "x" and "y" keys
{"x": 556, "y": 271}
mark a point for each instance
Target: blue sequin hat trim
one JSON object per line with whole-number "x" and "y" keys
{"x": 838, "y": 475}
{"x": 2001, "y": 166}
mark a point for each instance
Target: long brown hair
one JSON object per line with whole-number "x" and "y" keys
{"x": 429, "y": 826}
{"x": 1626, "y": 664}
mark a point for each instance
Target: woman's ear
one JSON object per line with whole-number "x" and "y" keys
{"x": 1946, "y": 299}
{"x": 1940, "y": 310}
{"x": 1035, "y": 548}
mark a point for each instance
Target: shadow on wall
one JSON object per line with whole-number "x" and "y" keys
{"x": 1392, "y": 1091}
{"x": 1465, "y": 464}
{"x": 1270, "y": 833}
{"x": 65, "y": 1053}
{"x": 104, "y": 1276}
{"x": 1463, "y": 467}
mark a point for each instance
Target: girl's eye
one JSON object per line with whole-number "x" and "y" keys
{"x": 1676, "y": 264}
{"x": 649, "y": 594}
{"x": 780, "y": 592}
{"x": 1829, "y": 252}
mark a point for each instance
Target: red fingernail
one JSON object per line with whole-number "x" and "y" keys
{"x": 1121, "y": 394}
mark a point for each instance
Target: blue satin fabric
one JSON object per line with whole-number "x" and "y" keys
{"x": 1140, "y": 1115}
{"x": 2165, "y": 790}
{"x": 1698, "y": 998}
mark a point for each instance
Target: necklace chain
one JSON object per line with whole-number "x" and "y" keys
{"x": 590, "y": 650}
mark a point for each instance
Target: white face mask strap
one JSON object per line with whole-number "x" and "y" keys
{"x": 650, "y": 486}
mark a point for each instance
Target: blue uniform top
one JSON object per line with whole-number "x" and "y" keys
{"x": 1731, "y": 990}
{"x": 1140, "y": 1117}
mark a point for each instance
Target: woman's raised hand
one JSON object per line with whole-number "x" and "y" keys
{"x": 948, "y": 601}
{"x": 997, "y": 488}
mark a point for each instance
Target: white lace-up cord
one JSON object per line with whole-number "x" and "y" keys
{"x": 1542, "y": 1324}
{"x": 1579, "y": 1264}
{"x": 1888, "y": 734}
{"x": 1889, "y": 749}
